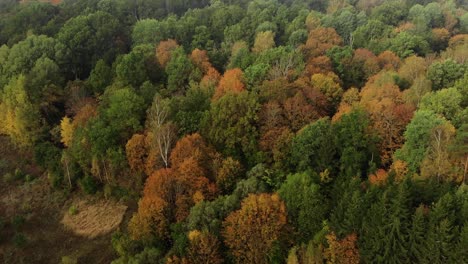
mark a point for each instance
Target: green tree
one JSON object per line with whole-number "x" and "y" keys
{"x": 356, "y": 145}
{"x": 306, "y": 206}
{"x": 100, "y": 77}
{"x": 444, "y": 74}
{"x": 178, "y": 71}
{"x": 85, "y": 39}
{"x": 314, "y": 147}
{"x": 417, "y": 138}
{"x": 231, "y": 125}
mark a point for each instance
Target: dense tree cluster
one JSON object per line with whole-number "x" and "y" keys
{"x": 260, "y": 131}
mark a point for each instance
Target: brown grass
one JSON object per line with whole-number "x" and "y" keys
{"x": 94, "y": 219}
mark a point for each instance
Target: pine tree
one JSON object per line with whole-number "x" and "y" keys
{"x": 417, "y": 236}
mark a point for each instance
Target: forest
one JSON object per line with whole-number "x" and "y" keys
{"x": 239, "y": 131}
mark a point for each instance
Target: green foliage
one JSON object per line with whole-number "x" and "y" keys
{"x": 88, "y": 184}
{"x": 406, "y": 44}
{"x": 307, "y": 207}
{"x": 390, "y": 12}
{"x": 178, "y": 71}
{"x": 445, "y": 102}
{"x": 231, "y": 125}
{"x": 314, "y": 146}
{"x": 19, "y": 240}
{"x": 417, "y": 137}
{"x": 356, "y": 146}
{"x": 371, "y": 35}
{"x": 100, "y": 77}
{"x": 17, "y": 221}
{"x": 444, "y": 74}
{"x": 72, "y": 210}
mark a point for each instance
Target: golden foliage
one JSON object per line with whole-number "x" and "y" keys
{"x": 66, "y": 131}
{"x": 251, "y": 231}
{"x": 264, "y": 41}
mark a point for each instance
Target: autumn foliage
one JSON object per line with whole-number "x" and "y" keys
{"x": 231, "y": 82}
{"x": 251, "y": 231}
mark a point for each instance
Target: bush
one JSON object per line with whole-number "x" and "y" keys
{"x": 19, "y": 175}
{"x": 73, "y": 210}
{"x": 28, "y": 178}
{"x": 69, "y": 260}
{"x": 18, "y": 221}
{"x": 19, "y": 240}
{"x": 88, "y": 185}
{"x": 8, "y": 177}
{"x": 54, "y": 178}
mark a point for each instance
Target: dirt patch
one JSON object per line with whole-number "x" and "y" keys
{"x": 94, "y": 218}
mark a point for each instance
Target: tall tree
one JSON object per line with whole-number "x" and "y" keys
{"x": 251, "y": 232}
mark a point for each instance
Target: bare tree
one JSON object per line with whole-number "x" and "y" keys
{"x": 164, "y": 132}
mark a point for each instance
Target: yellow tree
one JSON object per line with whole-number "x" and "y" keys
{"x": 251, "y": 232}
{"x": 203, "y": 248}
{"x": 437, "y": 162}
{"x": 19, "y": 118}
{"x": 264, "y": 41}
{"x": 342, "y": 251}
{"x": 66, "y": 131}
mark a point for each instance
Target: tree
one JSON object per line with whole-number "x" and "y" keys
{"x": 231, "y": 125}
{"x": 227, "y": 176}
{"x": 328, "y": 85}
{"x": 251, "y": 232}
{"x": 313, "y": 147}
{"x": 436, "y": 163}
{"x": 100, "y": 77}
{"x": 443, "y": 74}
{"x": 306, "y": 205}
{"x": 136, "y": 152}
{"x": 178, "y": 71}
{"x": 231, "y": 82}
{"x": 164, "y": 51}
{"x": 390, "y": 13}
{"x": 264, "y": 41}
{"x": 153, "y": 215}
{"x": 389, "y": 114}
{"x": 66, "y": 131}
{"x": 164, "y": 133}
{"x": 388, "y": 60}
{"x": 342, "y": 251}
{"x": 356, "y": 146}
{"x": 445, "y": 102}
{"x": 21, "y": 120}
{"x": 204, "y": 248}
{"x": 85, "y": 39}
{"x": 299, "y": 112}
{"x": 417, "y": 138}
{"x": 320, "y": 40}
{"x": 412, "y": 68}
{"x": 459, "y": 149}
{"x": 405, "y": 44}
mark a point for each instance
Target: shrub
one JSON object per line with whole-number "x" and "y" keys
{"x": 8, "y": 177}
{"x": 69, "y": 260}
{"x": 73, "y": 210}
{"x": 19, "y": 240}
{"x": 88, "y": 185}
{"x": 18, "y": 221}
